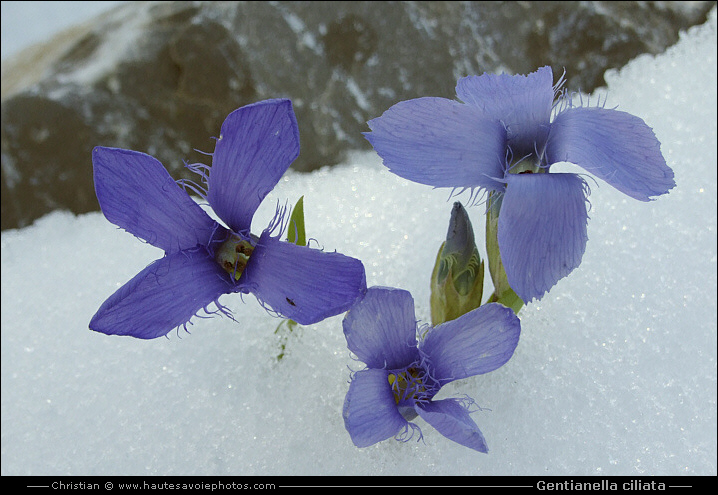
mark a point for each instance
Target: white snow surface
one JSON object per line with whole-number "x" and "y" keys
{"x": 25, "y": 23}
{"x": 614, "y": 374}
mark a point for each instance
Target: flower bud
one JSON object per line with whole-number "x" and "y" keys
{"x": 457, "y": 281}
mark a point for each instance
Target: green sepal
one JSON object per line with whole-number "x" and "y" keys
{"x": 503, "y": 293}
{"x": 295, "y": 232}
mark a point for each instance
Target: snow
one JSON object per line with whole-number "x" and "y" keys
{"x": 615, "y": 372}
{"x": 25, "y": 23}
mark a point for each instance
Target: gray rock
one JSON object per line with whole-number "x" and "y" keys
{"x": 160, "y": 77}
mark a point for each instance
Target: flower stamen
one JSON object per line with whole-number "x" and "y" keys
{"x": 407, "y": 384}
{"x": 233, "y": 255}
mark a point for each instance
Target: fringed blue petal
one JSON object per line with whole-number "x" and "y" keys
{"x": 300, "y": 283}
{"x": 452, "y": 420}
{"x": 542, "y": 230}
{"x": 137, "y": 193}
{"x": 477, "y": 342}
{"x": 381, "y": 328}
{"x": 522, "y": 103}
{"x": 440, "y": 143}
{"x": 370, "y": 412}
{"x": 257, "y": 144}
{"x": 163, "y": 296}
{"x": 615, "y": 146}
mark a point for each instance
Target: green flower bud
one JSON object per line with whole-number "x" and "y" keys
{"x": 457, "y": 281}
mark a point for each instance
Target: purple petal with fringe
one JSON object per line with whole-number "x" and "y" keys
{"x": 452, "y": 420}
{"x": 257, "y": 144}
{"x": 477, "y": 342}
{"x": 615, "y": 146}
{"x": 303, "y": 284}
{"x": 542, "y": 230}
{"x": 441, "y": 143}
{"x": 370, "y": 412}
{"x": 163, "y": 296}
{"x": 137, "y": 193}
{"x": 522, "y": 103}
{"x": 381, "y": 328}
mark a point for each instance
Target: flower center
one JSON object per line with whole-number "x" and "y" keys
{"x": 407, "y": 384}
{"x": 526, "y": 166}
{"x": 233, "y": 255}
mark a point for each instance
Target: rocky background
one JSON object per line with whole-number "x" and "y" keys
{"x": 160, "y": 77}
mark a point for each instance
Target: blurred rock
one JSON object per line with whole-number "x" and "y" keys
{"x": 160, "y": 77}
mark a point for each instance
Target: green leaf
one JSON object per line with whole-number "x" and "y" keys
{"x": 283, "y": 331}
{"x": 295, "y": 232}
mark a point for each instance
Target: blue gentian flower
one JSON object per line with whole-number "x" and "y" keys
{"x": 502, "y": 140}
{"x": 204, "y": 259}
{"x": 403, "y": 376}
